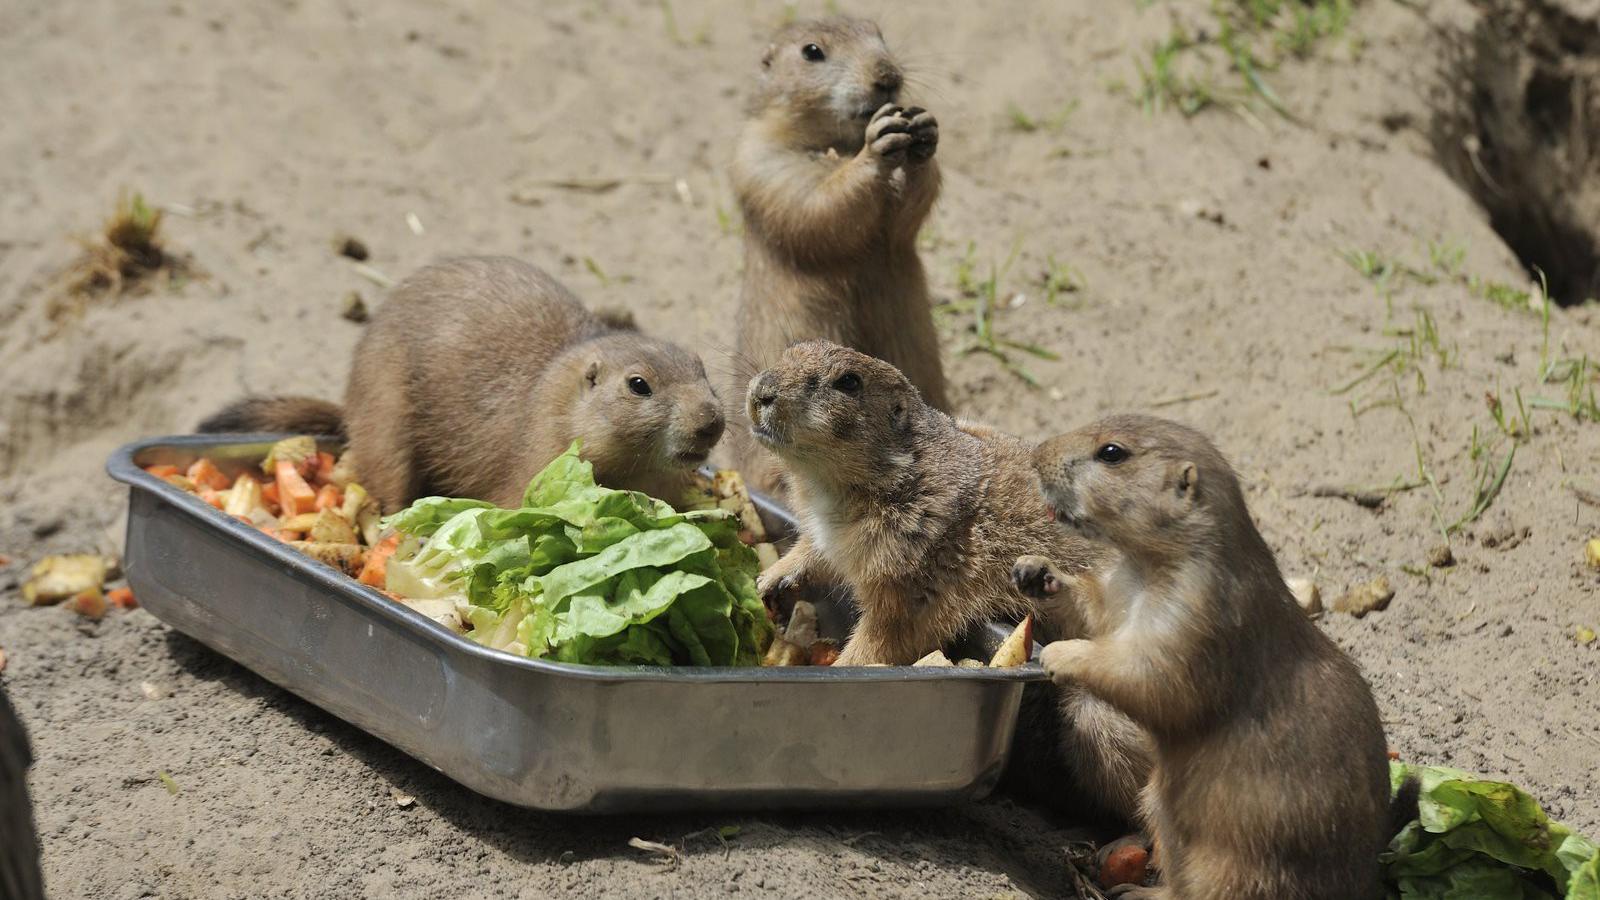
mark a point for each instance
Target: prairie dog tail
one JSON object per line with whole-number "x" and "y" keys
{"x": 1403, "y": 808}
{"x": 301, "y": 415}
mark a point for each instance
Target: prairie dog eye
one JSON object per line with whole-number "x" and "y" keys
{"x": 1111, "y": 454}
{"x": 638, "y": 385}
{"x": 848, "y": 383}
{"x": 813, "y": 53}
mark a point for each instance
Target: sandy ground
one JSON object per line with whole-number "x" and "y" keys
{"x": 1208, "y": 250}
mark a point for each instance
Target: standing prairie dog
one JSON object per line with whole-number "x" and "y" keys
{"x": 1271, "y": 781}
{"x": 922, "y": 517}
{"x": 834, "y": 181}
{"x": 478, "y": 371}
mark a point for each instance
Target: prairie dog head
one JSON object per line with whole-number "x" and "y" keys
{"x": 1156, "y": 490}
{"x": 831, "y": 74}
{"x": 644, "y": 406}
{"x": 834, "y": 414}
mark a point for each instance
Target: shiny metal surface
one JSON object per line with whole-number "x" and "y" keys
{"x": 550, "y": 735}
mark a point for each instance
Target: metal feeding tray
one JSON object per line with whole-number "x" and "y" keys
{"x": 550, "y": 735}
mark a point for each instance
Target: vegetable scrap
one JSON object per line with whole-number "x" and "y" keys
{"x": 1476, "y": 838}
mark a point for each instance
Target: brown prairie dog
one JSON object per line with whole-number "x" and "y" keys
{"x": 834, "y": 181}
{"x": 922, "y": 517}
{"x": 478, "y": 371}
{"x": 1271, "y": 778}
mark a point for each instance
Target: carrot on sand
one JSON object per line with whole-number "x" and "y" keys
{"x": 122, "y": 598}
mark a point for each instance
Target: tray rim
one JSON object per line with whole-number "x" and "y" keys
{"x": 122, "y": 468}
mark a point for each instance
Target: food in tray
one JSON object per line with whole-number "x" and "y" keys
{"x": 579, "y": 573}
{"x": 797, "y": 644}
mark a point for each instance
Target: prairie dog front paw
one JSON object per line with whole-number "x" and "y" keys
{"x": 1064, "y": 660}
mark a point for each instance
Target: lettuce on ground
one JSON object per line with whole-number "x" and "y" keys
{"x": 1484, "y": 839}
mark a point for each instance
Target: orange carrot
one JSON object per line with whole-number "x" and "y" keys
{"x": 325, "y": 463}
{"x": 294, "y": 495}
{"x": 204, "y": 473}
{"x": 330, "y": 497}
{"x": 376, "y": 570}
{"x": 269, "y": 497}
{"x": 286, "y": 536}
{"x": 162, "y": 471}
{"x": 212, "y": 497}
{"x": 122, "y": 598}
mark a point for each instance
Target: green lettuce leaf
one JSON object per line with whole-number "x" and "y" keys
{"x": 1479, "y": 838}
{"x": 582, "y": 573}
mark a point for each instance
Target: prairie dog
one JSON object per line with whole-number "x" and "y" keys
{"x": 834, "y": 181}
{"x": 922, "y": 517}
{"x": 479, "y": 371}
{"x": 1271, "y": 779}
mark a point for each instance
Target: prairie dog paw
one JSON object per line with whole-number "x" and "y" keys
{"x": 889, "y": 133}
{"x": 1065, "y": 659}
{"x": 1035, "y": 577}
{"x": 924, "y": 132}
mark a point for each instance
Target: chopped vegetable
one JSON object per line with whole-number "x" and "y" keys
{"x": 328, "y": 527}
{"x": 122, "y": 598}
{"x": 294, "y": 495}
{"x": 345, "y": 557}
{"x": 89, "y": 603}
{"x": 56, "y": 578}
{"x": 329, "y": 497}
{"x": 1478, "y": 838}
{"x": 162, "y": 471}
{"x": 204, "y": 473}
{"x": 299, "y": 451}
{"x": 936, "y": 658}
{"x": 1125, "y": 864}
{"x": 1017, "y": 647}
{"x": 374, "y": 571}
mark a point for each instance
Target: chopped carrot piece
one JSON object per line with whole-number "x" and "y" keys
{"x": 376, "y": 570}
{"x": 122, "y": 598}
{"x": 294, "y": 495}
{"x": 330, "y": 497}
{"x": 205, "y": 473}
{"x": 215, "y": 498}
{"x": 269, "y": 497}
{"x": 325, "y": 463}
{"x": 162, "y": 471}
{"x": 287, "y": 536}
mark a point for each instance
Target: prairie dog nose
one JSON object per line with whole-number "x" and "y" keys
{"x": 887, "y": 78}
{"x": 763, "y": 392}
{"x": 711, "y": 422}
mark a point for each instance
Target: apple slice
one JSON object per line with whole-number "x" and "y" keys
{"x": 1016, "y": 648}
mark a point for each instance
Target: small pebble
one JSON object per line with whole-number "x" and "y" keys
{"x": 355, "y": 308}
{"x": 1591, "y": 553}
{"x": 1440, "y": 557}
{"x": 352, "y": 248}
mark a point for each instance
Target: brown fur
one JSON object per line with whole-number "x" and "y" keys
{"x": 1270, "y": 779}
{"x": 834, "y": 182}
{"x": 922, "y": 517}
{"x": 477, "y": 372}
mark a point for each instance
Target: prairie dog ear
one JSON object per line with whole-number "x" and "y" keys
{"x": 1188, "y": 480}
{"x": 592, "y": 374}
{"x": 767, "y": 55}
